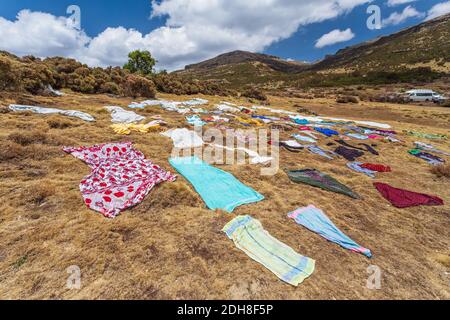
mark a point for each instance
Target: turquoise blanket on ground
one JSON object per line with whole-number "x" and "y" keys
{"x": 219, "y": 189}
{"x": 315, "y": 220}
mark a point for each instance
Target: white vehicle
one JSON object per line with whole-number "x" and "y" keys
{"x": 421, "y": 95}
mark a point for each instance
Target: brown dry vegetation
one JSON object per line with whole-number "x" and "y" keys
{"x": 171, "y": 247}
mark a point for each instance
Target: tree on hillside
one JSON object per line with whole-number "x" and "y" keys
{"x": 140, "y": 62}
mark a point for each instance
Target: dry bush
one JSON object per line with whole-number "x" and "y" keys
{"x": 27, "y": 138}
{"x": 255, "y": 93}
{"x": 137, "y": 86}
{"x": 442, "y": 170}
{"x": 347, "y": 99}
{"x": 60, "y": 123}
{"x": 37, "y": 137}
{"x": 10, "y": 150}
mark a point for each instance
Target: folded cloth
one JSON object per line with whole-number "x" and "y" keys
{"x": 119, "y": 115}
{"x": 184, "y": 138}
{"x": 376, "y": 167}
{"x": 42, "y": 110}
{"x": 316, "y": 220}
{"x": 318, "y": 179}
{"x": 403, "y": 198}
{"x": 357, "y": 166}
{"x": 249, "y": 236}
{"x": 121, "y": 177}
{"x": 219, "y": 189}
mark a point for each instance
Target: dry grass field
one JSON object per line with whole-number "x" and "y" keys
{"x": 171, "y": 246}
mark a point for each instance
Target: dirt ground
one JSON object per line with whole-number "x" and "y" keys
{"x": 171, "y": 246}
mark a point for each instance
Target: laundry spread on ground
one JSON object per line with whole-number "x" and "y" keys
{"x": 317, "y": 221}
{"x": 376, "y": 167}
{"x": 219, "y": 189}
{"x": 121, "y": 177}
{"x": 249, "y": 236}
{"x": 303, "y": 138}
{"x": 349, "y": 154}
{"x": 428, "y": 157}
{"x": 41, "y": 110}
{"x": 430, "y": 136}
{"x": 127, "y": 128}
{"x": 357, "y": 136}
{"x": 403, "y": 198}
{"x": 326, "y": 131}
{"x": 321, "y": 152}
{"x": 195, "y": 121}
{"x": 318, "y": 179}
{"x": 184, "y": 138}
{"x": 430, "y": 148}
{"x": 254, "y": 156}
{"x": 357, "y": 166}
{"x": 119, "y": 115}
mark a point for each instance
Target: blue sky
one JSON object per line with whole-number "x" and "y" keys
{"x": 186, "y": 31}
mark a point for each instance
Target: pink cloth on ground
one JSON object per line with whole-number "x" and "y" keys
{"x": 121, "y": 177}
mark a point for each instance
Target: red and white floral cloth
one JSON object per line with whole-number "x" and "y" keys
{"x": 121, "y": 177}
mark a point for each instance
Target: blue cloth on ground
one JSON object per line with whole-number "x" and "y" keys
{"x": 219, "y": 189}
{"x": 357, "y": 136}
{"x": 315, "y": 220}
{"x": 326, "y": 131}
{"x": 195, "y": 121}
{"x": 357, "y": 167}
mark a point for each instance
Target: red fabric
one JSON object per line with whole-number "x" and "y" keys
{"x": 376, "y": 167}
{"x": 120, "y": 178}
{"x": 305, "y": 128}
{"x": 403, "y": 199}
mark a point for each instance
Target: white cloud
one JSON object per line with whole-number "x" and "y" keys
{"x": 40, "y": 34}
{"x": 393, "y": 3}
{"x": 194, "y": 30}
{"x": 335, "y": 36}
{"x": 397, "y": 18}
{"x": 438, "y": 10}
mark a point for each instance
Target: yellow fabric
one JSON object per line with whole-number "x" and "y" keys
{"x": 124, "y": 128}
{"x": 249, "y": 121}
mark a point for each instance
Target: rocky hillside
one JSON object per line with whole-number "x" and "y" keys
{"x": 417, "y": 54}
{"x": 427, "y": 44}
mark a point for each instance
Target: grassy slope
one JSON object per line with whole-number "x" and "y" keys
{"x": 170, "y": 246}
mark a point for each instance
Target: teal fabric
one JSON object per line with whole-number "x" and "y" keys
{"x": 219, "y": 189}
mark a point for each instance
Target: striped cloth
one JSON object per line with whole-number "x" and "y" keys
{"x": 249, "y": 236}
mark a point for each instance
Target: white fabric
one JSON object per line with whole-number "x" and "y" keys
{"x": 41, "y": 110}
{"x": 255, "y": 158}
{"x": 195, "y": 102}
{"x": 120, "y": 115}
{"x": 55, "y": 92}
{"x": 227, "y": 108}
{"x": 184, "y": 138}
{"x": 293, "y": 144}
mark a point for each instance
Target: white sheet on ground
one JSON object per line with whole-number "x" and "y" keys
{"x": 119, "y": 115}
{"x": 70, "y": 113}
{"x": 184, "y": 138}
{"x": 255, "y": 158}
